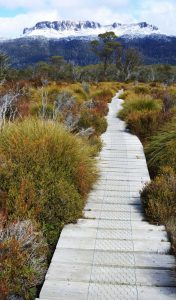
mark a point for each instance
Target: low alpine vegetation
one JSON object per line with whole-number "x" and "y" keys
{"x": 154, "y": 121}
{"x": 158, "y": 198}
{"x": 161, "y": 149}
{"x": 45, "y": 175}
{"x": 142, "y": 114}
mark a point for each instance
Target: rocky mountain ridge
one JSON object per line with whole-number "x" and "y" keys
{"x": 63, "y": 29}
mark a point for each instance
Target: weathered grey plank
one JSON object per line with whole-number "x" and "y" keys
{"x": 113, "y": 258}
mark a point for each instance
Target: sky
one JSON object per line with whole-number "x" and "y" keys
{"x": 15, "y": 15}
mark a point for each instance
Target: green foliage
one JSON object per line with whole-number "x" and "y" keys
{"x": 161, "y": 150}
{"x": 124, "y": 95}
{"x": 105, "y": 48}
{"x": 154, "y": 122}
{"x": 127, "y": 60}
{"x": 138, "y": 104}
{"x": 88, "y": 119}
{"x": 158, "y": 198}
{"x": 107, "y": 36}
{"x": 159, "y": 195}
{"x": 4, "y": 65}
{"x": 94, "y": 115}
{"x": 96, "y": 144}
{"x": 81, "y": 93}
{"x": 37, "y": 110}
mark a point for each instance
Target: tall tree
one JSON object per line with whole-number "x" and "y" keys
{"x": 105, "y": 48}
{"x": 127, "y": 61}
{"x": 4, "y": 66}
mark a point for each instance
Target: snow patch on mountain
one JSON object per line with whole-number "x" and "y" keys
{"x": 66, "y": 29}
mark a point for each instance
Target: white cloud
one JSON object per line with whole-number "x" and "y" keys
{"x": 115, "y": 3}
{"x": 157, "y": 12}
{"x": 61, "y": 4}
{"x": 161, "y": 13}
{"x": 74, "y": 10}
{"x": 31, "y": 4}
{"x": 107, "y": 16}
{"x": 12, "y": 27}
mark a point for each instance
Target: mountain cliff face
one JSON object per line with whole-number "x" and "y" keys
{"x": 63, "y": 26}
{"x": 60, "y": 29}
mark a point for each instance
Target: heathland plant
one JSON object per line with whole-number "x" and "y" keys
{"x": 140, "y": 103}
{"x": 159, "y": 195}
{"x": 142, "y": 114}
{"x": 144, "y": 123}
{"x": 158, "y": 198}
{"x": 161, "y": 150}
{"x": 45, "y": 174}
{"x": 23, "y": 259}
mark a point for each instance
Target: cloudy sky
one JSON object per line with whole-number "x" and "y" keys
{"x": 17, "y": 14}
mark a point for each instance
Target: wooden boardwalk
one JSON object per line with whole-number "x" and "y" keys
{"x": 113, "y": 253}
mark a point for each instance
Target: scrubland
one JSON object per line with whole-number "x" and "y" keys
{"x": 49, "y": 138}
{"x": 150, "y": 112}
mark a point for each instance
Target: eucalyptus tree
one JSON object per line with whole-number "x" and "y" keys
{"x": 127, "y": 61}
{"x": 105, "y": 48}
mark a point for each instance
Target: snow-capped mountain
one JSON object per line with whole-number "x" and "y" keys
{"x": 72, "y": 41}
{"x": 65, "y": 29}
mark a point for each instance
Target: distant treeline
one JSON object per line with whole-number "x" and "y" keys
{"x": 23, "y": 52}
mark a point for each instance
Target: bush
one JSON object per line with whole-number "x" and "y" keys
{"x": 96, "y": 144}
{"x": 124, "y": 95}
{"x": 45, "y": 173}
{"x": 142, "y": 115}
{"x": 140, "y": 103}
{"x": 23, "y": 259}
{"x": 103, "y": 95}
{"x": 144, "y": 123}
{"x": 161, "y": 150}
{"x": 40, "y": 111}
{"x": 80, "y": 92}
{"x": 171, "y": 228}
{"x": 92, "y": 119}
{"x": 158, "y": 198}
{"x": 141, "y": 90}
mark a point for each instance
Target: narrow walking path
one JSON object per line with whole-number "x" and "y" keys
{"x": 113, "y": 253}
